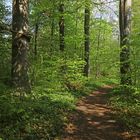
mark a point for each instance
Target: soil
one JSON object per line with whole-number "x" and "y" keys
{"x": 94, "y": 120}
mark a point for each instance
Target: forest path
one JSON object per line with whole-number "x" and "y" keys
{"x": 93, "y": 119}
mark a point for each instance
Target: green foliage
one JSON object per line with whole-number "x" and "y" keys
{"x": 126, "y": 104}
{"x": 33, "y": 117}
{"x": 4, "y": 43}
{"x": 135, "y": 41}
{"x": 104, "y": 55}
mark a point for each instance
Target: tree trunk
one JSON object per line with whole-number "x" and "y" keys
{"x": 20, "y": 45}
{"x": 52, "y": 34}
{"x": 125, "y": 29}
{"x": 36, "y": 37}
{"x": 61, "y": 27}
{"x": 87, "y": 40}
{"x": 97, "y": 70}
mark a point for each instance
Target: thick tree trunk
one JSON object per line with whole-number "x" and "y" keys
{"x": 87, "y": 40}
{"x": 61, "y": 28}
{"x": 125, "y": 29}
{"x": 20, "y": 45}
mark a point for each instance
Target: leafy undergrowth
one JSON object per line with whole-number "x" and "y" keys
{"x": 33, "y": 118}
{"x": 40, "y": 115}
{"x": 126, "y": 105}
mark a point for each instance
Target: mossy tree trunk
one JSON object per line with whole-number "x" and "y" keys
{"x": 125, "y": 30}
{"x": 87, "y": 38}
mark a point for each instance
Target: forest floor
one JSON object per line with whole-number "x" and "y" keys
{"x": 93, "y": 120}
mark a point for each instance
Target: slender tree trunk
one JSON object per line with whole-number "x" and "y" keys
{"x": 36, "y": 36}
{"x": 87, "y": 39}
{"x": 98, "y": 53}
{"x": 76, "y": 25}
{"x": 52, "y": 27}
{"x": 20, "y": 45}
{"x": 61, "y": 27}
{"x": 125, "y": 29}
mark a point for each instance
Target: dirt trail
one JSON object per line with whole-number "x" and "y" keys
{"x": 93, "y": 120}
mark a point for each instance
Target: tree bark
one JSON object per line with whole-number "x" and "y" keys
{"x": 125, "y": 29}
{"x": 87, "y": 39}
{"x": 20, "y": 45}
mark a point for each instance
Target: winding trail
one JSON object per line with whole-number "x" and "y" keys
{"x": 93, "y": 120}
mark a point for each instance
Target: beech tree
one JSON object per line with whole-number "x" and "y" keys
{"x": 20, "y": 44}
{"x": 125, "y": 29}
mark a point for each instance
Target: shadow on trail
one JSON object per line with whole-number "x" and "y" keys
{"x": 93, "y": 119}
